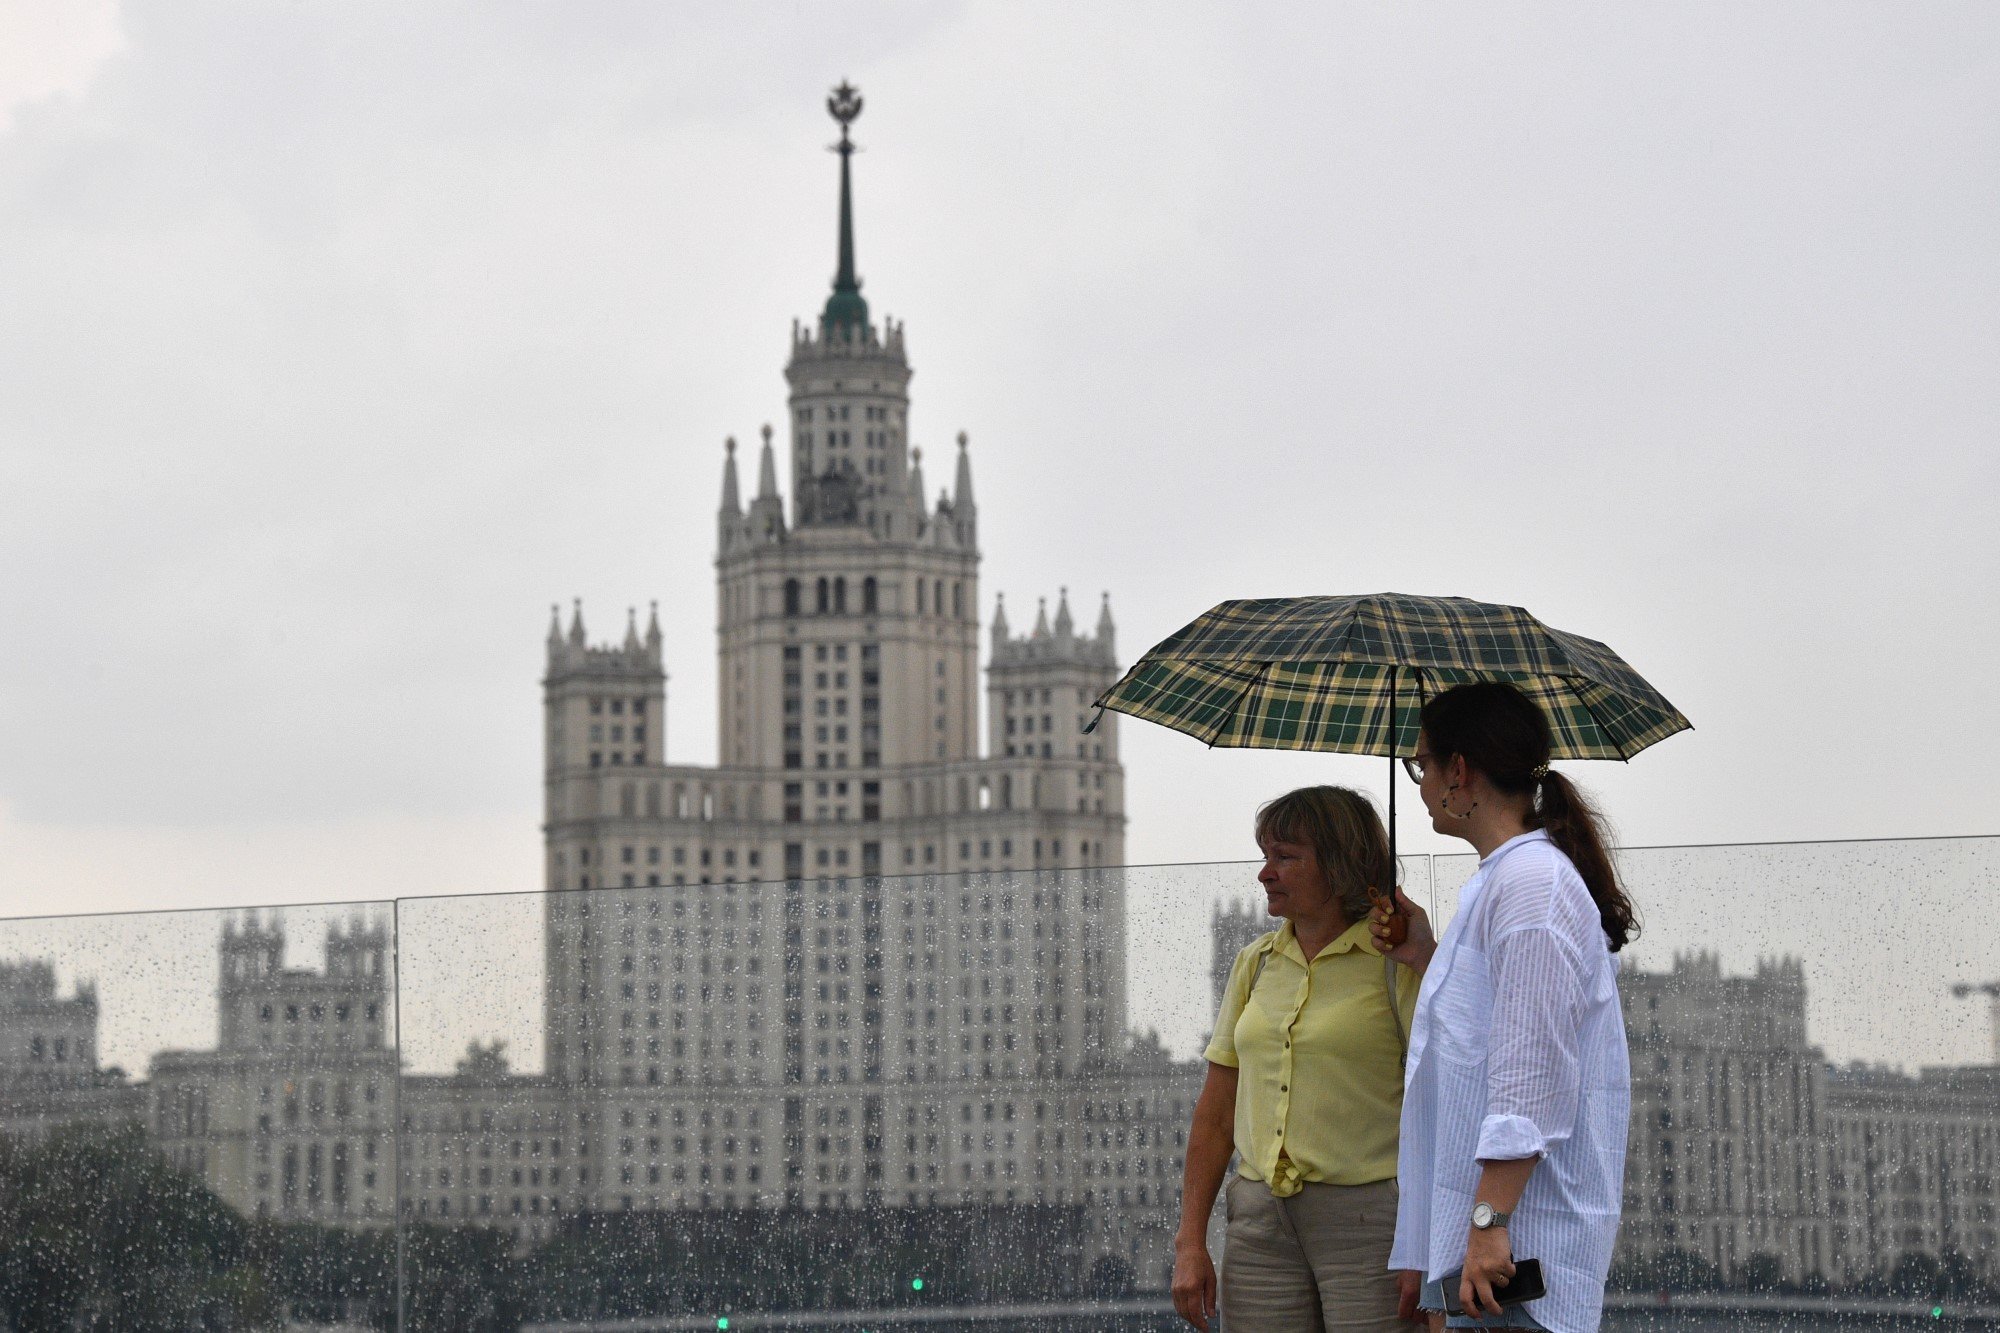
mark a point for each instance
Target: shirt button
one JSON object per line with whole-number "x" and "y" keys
{"x": 1283, "y": 1088}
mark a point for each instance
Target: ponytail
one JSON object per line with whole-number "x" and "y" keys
{"x": 1575, "y": 827}
{"x": 1503, "y": 734}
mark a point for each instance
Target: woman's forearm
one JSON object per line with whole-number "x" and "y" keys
{"x": 1502, "y": 1183}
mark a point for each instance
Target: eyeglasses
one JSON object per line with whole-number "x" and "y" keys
{"x": 1414, "y": 766}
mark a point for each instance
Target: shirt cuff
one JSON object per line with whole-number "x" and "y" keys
{"x": 1217, "y": 1055}
{"x": 1509, "y": 1138}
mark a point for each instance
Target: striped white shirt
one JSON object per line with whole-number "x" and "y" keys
{"x": 1518, "y": 1050}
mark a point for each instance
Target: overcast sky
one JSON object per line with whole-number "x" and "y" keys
{"x": 338, "y": 341}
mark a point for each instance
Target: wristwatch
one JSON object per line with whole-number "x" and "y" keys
{"x": 1484, "y": 1218}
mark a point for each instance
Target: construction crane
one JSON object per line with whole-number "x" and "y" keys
{"x": 1991, "y": 990}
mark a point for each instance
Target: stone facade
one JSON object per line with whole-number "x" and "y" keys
{"x": 49, "y": 1071}
{"x": 1913, "y": 1167}
{"x": 1748, "y": 1150}
{"x": 292, "y": 1115}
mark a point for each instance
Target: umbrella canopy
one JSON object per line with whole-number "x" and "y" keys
{"x": 1349, "y": 675}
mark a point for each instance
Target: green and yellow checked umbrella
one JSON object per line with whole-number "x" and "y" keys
{"x": 1350, "y": 674}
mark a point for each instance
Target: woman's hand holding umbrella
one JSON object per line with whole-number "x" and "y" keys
{"x": 1406, "y": 936}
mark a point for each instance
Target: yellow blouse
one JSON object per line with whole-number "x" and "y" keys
{"x": 1320, "y": 1085}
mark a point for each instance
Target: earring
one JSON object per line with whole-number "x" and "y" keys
{"x": 1446, "y": 804}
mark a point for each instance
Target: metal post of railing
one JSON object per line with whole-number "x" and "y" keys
{"x": 396, "y": 1106}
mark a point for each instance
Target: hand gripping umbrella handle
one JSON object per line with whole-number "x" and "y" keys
{"x": 1395, "y": 923}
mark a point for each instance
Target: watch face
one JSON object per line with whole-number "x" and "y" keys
{"x": 1482, "y": 1215}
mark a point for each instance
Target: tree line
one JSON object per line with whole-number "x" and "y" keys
{"x": 98, "y": 1231}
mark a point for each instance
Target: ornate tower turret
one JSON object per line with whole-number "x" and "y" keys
{"x": 605, "y": 708}
{"x": 868, "y": 590}
{"x": 850, "y": 393}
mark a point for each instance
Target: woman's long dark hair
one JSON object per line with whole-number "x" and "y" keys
{"x": 1501, "y": 732}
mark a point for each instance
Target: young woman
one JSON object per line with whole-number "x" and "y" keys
{"x": 1305, "y": 1084}
{"x": 1518, "y": 1093}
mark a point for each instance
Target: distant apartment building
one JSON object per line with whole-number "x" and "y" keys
{"x": 1725, "y": 1155}
{"x": 1747, "y": 1148}
{"x": 293, "y": 1113}
{"x": 1913, "y": 1166}
{"x": 49, "y": 1071}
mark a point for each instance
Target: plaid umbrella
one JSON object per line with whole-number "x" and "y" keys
{"x": 1350, "y": 674}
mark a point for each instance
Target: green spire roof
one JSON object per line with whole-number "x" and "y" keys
{"x": 846, "y": 309}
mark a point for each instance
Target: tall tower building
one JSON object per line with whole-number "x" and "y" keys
{"x": 772, "y": 987}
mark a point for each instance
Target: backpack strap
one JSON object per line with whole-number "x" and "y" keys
{"x": 1264, "y": 947}
{"x": 1395, "y": 1013}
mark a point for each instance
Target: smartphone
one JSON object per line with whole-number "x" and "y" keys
{"x": 1525, "y": 1286}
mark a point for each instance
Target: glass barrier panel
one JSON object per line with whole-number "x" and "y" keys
{"x": 197, "y": 1119}
{"x": 957, "y": 1101}
{"x": 1815, "y": 1044}
{"x": 864, "y": 1100}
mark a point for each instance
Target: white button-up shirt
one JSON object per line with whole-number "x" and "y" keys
{"x": 1518, "y": 1050}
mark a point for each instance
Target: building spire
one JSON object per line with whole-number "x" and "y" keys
{"x": 961, "y": 500}
{"x": 732, "y": 506}
{"x": 1065, "y": 625}
{"x": 999, "y": 618}
{"x": 767, "y": 469}
{"x": 846, "y": 311}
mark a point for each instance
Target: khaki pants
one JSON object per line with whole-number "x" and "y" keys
{"x": 1317, "y": 1262}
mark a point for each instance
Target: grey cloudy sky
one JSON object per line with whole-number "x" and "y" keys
{"x": 336, "y": 342}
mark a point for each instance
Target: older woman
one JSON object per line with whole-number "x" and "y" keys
{"x": 1305, "y": 1085}
{"x": 1519, "y": 1088}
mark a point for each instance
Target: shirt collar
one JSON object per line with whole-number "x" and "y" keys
{"x": 1356, "y": 936}
{"x": 1532, "y": 835}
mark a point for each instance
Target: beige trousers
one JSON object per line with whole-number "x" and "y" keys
{"x": 1317, "y": 1262}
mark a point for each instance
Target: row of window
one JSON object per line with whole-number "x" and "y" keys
{"x": 839, "y": 412}
{"x": 830, "y": 597}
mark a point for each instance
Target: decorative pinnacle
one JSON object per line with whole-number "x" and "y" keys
{"x": 729, "y": 444}
{"x": 767, "y": 432}
{"x": 961, "y": 439}
{"x": 844, "y": 106}
{"x": 845, "y": 309}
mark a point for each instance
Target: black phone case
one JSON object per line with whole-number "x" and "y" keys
{"x": 1526, "y": 1286}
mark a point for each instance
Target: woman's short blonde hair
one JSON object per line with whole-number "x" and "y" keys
{"x": 1346, "y": 835}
